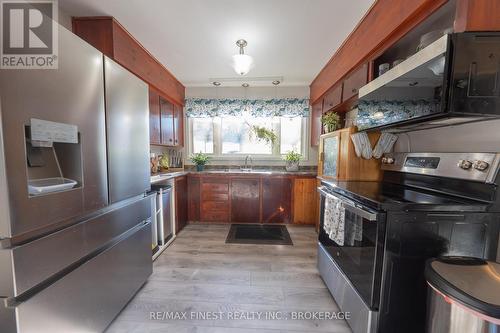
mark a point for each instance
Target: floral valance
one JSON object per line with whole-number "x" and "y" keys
{"x": 285, "y": 107}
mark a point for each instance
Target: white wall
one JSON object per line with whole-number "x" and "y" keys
{"x": 473, "y": 137}
{"x": 250, "y": 92}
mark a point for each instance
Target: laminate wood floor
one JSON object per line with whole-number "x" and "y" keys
{"x": 199, "y": 275}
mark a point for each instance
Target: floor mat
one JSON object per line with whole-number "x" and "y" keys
{"x": 259, "y": 234}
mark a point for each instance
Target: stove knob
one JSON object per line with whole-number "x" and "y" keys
{"x": 388, "y": 160}
{"x": 481, "y": 165}
{"x": 465, "y": 164}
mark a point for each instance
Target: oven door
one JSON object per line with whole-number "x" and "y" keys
{"x": 359, "y": 260}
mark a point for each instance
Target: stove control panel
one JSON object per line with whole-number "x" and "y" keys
{"x": 481, "y": 167}
{"x": 465, "y": 164}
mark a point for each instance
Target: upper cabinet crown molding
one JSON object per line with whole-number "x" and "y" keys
{"x": 384, "y": 23}
{"x": 111, "y": 38}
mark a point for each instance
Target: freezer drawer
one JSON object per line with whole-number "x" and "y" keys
{"x": 34, "y": 262}
{"x": 89, "y": 298}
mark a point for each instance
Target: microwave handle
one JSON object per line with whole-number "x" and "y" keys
{"x": 351, "y": 206}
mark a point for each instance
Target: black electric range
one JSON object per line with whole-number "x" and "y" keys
{"x": 427, "y": 205}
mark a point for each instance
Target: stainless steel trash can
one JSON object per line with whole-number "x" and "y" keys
{"x": 463, "y": 296}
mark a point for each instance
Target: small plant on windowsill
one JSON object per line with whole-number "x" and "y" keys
{"x": 200, "y": 160}
{"x": 292, "y": 159}
{"x": 330, "y": 121}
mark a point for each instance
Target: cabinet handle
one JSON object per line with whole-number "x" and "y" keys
{"x": 354, "y": 90}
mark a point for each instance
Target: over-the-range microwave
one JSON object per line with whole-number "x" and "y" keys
{"x": 454, "y": 80}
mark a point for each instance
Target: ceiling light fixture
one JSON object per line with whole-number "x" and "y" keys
{"x": 242, "y": 63}
{"x": 276, "y": 82}
{"x": 216, "y": 83}
{"x": 245, "y": 85}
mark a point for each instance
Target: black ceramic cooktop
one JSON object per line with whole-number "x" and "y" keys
{"x": 388, "y": 196}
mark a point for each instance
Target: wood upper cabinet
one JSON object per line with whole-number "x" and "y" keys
{"x": 305, "y": 201}
{"x": 245, "y": 200}
{"x": 181, "y": 203}
{"x": 277, "y": 200}
{"x": 154, "y": 117}
{"x": 178, "y": 126}
{"x": 355, "y": 81}
{"x": 111, "y": 38}
{"x": 316, "y": 113}
{"x": 332, "y": 98}
{"x": 167, "y": 122}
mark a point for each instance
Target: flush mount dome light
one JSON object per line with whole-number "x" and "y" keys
{"x": 242, "y": 63}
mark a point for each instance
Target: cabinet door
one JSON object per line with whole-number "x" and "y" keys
{"x": 305, "y": 201}
{"x": 332, "y": 98}
{"x": 167, "y": 122}
{"x": 329, "y": 151}
{"x": 276, "y": 200}
{"x": 194, "y": 196}
{"x": 178, "y": 126}
{"x": 316, "y": 122}
{"x": 181, "y": 203}
{"x": 245, "y": 200}
{"x": 355, "y": 81}
{"x": 154, "y": 117}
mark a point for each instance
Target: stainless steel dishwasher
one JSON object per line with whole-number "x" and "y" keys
{"x": 164, "y": 212}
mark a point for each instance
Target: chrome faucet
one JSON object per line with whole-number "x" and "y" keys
{"x": 248, "y": 166}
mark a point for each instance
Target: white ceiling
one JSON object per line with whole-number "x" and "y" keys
{"x": 195, "y": 39}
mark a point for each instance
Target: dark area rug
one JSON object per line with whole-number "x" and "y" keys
{"x": 259, "y": 234}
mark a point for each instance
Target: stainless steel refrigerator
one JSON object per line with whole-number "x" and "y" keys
{"x": 75, "y": 233}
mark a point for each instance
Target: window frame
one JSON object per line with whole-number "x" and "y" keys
{"x": 275, "y": 156}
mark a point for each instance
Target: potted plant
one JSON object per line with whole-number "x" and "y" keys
{"x": 200, "y": 159}
{"x": 330, "y": 121}
{"x": 263, "y": 134}
{"x": 292, "y": 159}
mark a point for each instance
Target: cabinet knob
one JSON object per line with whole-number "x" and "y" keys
{"x": 354, "y": 90}
{"x": 170, "y": 140}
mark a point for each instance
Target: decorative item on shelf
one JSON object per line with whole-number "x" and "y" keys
{"x": 382, "y": 68}
{"x": 164, "y": 162}
{"x": 200, "y": 160}
{"x": 154, "y": 163}
{"x": 292, "y": 159}
{"x": 263, "y": 134}
{"x": 330, "y": 121}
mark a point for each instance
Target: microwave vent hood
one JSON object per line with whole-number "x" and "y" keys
{"x": 423, "y": 69}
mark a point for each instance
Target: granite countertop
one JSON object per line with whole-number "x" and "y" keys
{"x": 256, "y": 172}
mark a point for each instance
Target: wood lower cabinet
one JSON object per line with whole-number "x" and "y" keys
{"x": 194, "y": 198}
{"x": 245, "y": 200}
{"x": 277, "y": 200}
{"x": 181, "y": 203}
{"x": 214, "y": 199}
{"x": 305, "y": 201}
{"x": 252, "y": 199}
